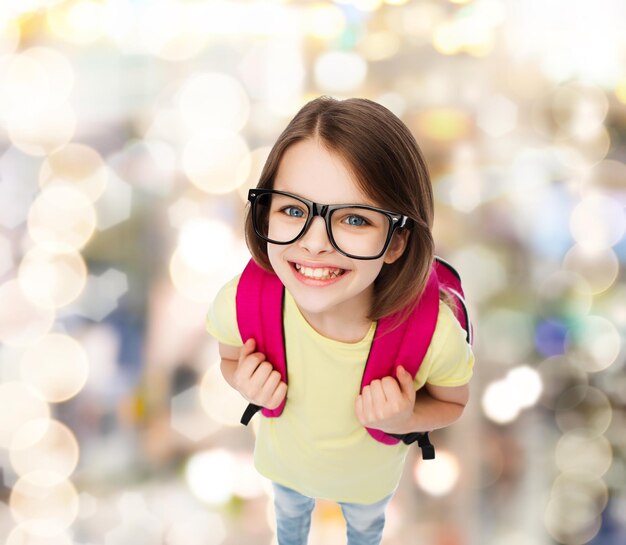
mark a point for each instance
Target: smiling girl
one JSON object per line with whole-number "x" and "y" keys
{"x": 342, "y": 215}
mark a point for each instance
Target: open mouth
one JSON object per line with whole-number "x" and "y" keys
{"x": 319, "y": 273}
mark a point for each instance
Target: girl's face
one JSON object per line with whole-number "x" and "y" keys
{"x": 328, "y": 287}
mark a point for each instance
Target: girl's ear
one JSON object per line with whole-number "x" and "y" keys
{"x": 396, "y": 246}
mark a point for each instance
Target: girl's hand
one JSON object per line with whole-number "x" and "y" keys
{"x": 387, "y": 404}
{"x": 257, "y": 380}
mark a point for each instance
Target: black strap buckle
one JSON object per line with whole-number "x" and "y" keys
{"x": 421, "y": 437}
{"x": 250, "y": 411}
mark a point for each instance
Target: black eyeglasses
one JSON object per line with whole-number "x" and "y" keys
{"x": 357, "y": 231}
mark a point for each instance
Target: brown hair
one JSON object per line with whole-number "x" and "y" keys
{"x": 388, "y": 166}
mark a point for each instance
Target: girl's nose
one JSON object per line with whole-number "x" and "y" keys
{"x": 315, "y": 240}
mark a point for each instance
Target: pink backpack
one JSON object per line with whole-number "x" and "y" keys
{"x": 260, "y": 298}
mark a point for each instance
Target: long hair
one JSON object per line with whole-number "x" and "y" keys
{"x": 387, "y": 165}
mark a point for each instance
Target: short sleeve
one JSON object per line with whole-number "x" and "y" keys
{"x": 449, "y": 360}
{"x": 221, "y": 319}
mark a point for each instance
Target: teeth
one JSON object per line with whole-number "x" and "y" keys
{"x": 319, "y": 273}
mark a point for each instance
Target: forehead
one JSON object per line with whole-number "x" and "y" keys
{"x": 310, "y": 170}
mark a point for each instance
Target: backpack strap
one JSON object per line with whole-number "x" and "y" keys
{"x": 450, "y": 280}
{"x": 412, "y": 345}
{"x": 404, "y": 345}
{"x": 259, "y": 301}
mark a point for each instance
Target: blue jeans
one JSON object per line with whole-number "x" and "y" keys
{"x": 293, "y": 518}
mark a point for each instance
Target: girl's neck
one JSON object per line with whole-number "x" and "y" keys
{"x": 346, "y": 331}
{"x": 347, "y": 323}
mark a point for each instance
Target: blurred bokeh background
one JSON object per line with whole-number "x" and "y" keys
{"x": 130, "y": 131}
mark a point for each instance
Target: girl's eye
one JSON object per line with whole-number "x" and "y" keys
{"x": 293, "y": 212}
{"x": 356, "y": 221}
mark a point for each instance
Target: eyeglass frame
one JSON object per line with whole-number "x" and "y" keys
{"x": 324, "y": 211}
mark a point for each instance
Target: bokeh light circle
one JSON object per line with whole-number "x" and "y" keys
{"x": 598, "y": 222}
{"x": 201, "y": 286}
{"x": 21, "y": 536}
{"x": 324, "y": 21}
{"x": 44, "y": 444}
{"x": 584, "y": 407}
{"x": 213, "y": 101}
{"x": 338, "y": 71}
{"x": 599, "y": 267}
{"x": 594, "y": 489}
{"x": 571, "y": 519}
{"x": 558, "y": 374}
{"x": 586, "y": 151}
{"x": 221, "y": 403}
{"x": 439, "y": 476}
{"x": 78, "y": 166}
{"x": 170, "y": 30}
{"x": 564, "y": 294}
{"x": 52, "y": 280}
{"x": 579, "y": 110}
{"x": 216, "y": 161}
{"x": 58, "y": 70}
{"x": 195, "y": 527}
{"x": 195, "y": 248}
{"x": 582, "y": 451}
{"x": 45, "y": 133}
{"x": 61, "y": 219}
{"x": 21, "y": 321}
{"x": 595, "y": 342}
{"x": 56, "y": 367}
{"x": 607, "y": 176}
{"x": 211, "y": 476}
{"x": 19, "y": 406}
{"x": 9, "y": 36}
{"x": 443, "y": 124}
{"x": 44, "y": 504}
{"x": 79, "y": 22}
{"x": 527, "y": 384}
{"x": 25, "y": 88}
{"x": 499, "y": 403}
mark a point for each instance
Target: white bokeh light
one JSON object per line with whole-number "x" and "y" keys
{"x": 201, "y": 240}
{"x": 79, "y": 22}
{"x": 503, "y": 400}
{"x": 598, "y": 341}
{"x": 19, "y": 406}
{"x": 340, "y": 72}
{"x": 598, "y": 221}
{"x": 220, "y": 401}
{"x": 61, "y": 219}
{"x": 527, "y": 384}
{"x": 211, "y": 476}
{"x": 216, "y": 161}
{"x": 439, "y": 476}
{"x": 213, "y": 100}
{"x": 499, "y": 402}
{"x": 21, "y": 321}
{"x": 171, "y": 30}
{"x": 56, "y": 367}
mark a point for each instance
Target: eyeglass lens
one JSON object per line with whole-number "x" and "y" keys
{"x": 356, "y": 231}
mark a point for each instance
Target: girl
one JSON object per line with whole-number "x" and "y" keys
{"x": 362, "y": 260}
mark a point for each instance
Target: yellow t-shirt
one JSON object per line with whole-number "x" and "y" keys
{"x": 317, "y": 446}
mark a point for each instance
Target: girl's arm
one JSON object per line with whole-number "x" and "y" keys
{"x": 230, "y": 358}
{"x": 438, "y": 406}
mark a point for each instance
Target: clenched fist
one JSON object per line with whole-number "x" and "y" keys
{"x": 387, "y": 404}
{"x": 257, "y": 380}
